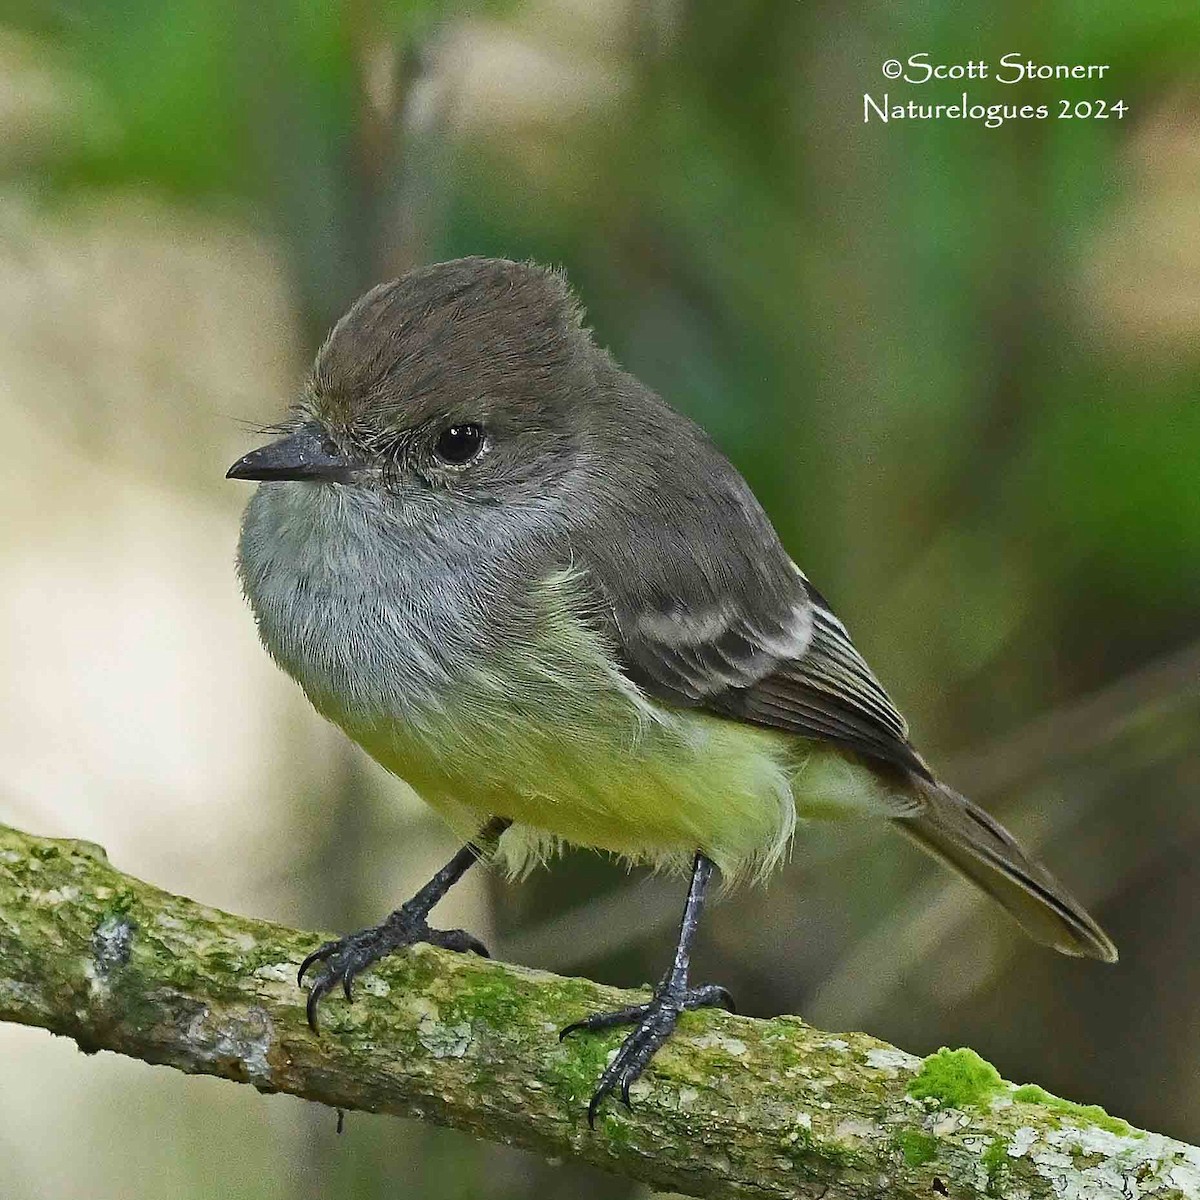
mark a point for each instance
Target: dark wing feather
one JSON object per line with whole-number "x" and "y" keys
{"x": 708, "y": 611}
{"x": 830, "y": 690}
{"x": 819, "y": 687}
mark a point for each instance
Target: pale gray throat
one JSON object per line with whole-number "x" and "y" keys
{"x": 368, "y": 605}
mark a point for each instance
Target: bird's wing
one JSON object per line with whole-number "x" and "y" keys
{"x": 724, "y": 621}
{"x": 794, "y": 669}
{"x": 827, "y": 690}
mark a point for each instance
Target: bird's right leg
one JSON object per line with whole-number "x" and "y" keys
{"x": 344, "y": 958}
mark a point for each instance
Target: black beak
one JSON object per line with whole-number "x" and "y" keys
{"x": 306, "y": 454}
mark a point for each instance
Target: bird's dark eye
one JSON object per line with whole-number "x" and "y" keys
{"x": 458, "y": 444}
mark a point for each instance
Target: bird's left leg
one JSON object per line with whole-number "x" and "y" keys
{"x": 655, "y": 1021}
{"x": 344, "y": 958}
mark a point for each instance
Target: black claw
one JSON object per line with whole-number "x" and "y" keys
{"x": 345, "y": 959}
{"x": 712, "y": 995}
{"x": 310, "y": 1008}
{"x": 458, "y": 940}
{"x": 653, "y": 1025}
{"x": 598, "y": 1021}
{"x": 319, "y": 954}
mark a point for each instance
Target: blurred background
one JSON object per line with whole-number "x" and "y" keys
{"x": 959, "y": 365}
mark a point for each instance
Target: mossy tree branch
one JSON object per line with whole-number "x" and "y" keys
{"x": 731, "y": 1108}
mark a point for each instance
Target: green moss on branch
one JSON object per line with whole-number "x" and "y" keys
{"x": 956, "y": 1079}
{"x": 1079, "y": 1114}
{"x": 730, "y": 1108}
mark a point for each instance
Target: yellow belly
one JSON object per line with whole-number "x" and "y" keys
{"x": 653, "y": 788}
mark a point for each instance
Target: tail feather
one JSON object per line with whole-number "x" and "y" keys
{"x": 976, "y": 845}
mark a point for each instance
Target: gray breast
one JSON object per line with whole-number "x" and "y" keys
{"x": 372, "y": 615}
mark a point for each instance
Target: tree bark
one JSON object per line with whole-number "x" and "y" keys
{"x": 732, "y": 1107}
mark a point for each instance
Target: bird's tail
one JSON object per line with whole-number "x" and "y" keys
{"x": 976, "y": 845}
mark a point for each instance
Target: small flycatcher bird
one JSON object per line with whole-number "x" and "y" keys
{"x": 543, "y": 598}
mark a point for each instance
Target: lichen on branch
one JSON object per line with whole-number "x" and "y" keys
{"x": 732, "y": 1107}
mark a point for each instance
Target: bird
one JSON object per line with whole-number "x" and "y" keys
{"x": 537, "y": 593}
